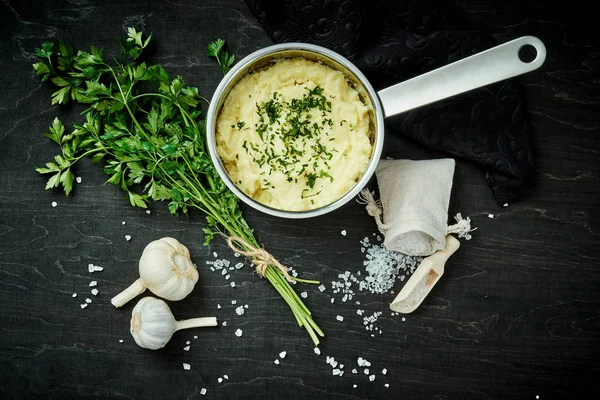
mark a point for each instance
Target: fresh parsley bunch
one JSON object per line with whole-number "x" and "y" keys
{"x": 147, "y": 131}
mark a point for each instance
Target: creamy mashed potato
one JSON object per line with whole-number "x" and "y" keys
{"x": 294, "y": 136}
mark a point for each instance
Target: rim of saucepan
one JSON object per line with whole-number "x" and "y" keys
{"x": 242, "y": 68}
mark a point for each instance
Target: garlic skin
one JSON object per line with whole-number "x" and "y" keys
{"x": 152, "y": 324}
{"x": 165, "y": 269}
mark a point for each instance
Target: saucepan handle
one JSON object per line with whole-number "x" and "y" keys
{"x": 493, "y": 65}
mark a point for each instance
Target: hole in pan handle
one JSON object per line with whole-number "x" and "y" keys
{"x": 489, "y": 66}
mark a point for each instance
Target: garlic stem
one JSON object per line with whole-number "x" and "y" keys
{"x": 196, "y": 323}
{"x": 138, "y": 287}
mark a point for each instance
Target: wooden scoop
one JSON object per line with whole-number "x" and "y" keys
{"x": 424, "y": 278}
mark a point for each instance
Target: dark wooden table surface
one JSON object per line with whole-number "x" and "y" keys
{"x": 515, "y": 316}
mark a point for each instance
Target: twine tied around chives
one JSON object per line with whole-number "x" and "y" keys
{"x": 259, "y": 256}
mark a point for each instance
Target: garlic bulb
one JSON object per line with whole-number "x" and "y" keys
{"x": 166, "y": 269}
{"x": 152, "y": 323}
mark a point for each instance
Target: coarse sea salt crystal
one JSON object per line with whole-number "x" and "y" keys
{"x": 384, "y": 371}
{"x": 215, "y": 254}
{"x": 148, "y": 212}
{"x": 226, "y": 377}
{"x": 240, "y": 310}
{"x": 188, "y": 342}
{"x": 186, "y": 348}
{"x": 354, "y": 371}
{"x": 490, "y": 215}
{"x": 224, "y": 323}
{"x": 128, "y": 237}
{"x": 232, "y": 284}
{"x": 339, "y": 318}
{"x": 233, "y": 301}
{"x": 336, "y": 371}
{"x": 355, "y": 386}
{"x": 218, "y": 306}
{"x": 239, "y": 265}
{"x": 74, "y": 295}
{"x": 203, "y": 391}
{"x": 123, "y": 223}
{"x": 276, "y": 361}
{"x": 84, "y": 305}
{"x": 371, "y": 378}
{"x": 78, "y": 179}
{"x": 344, "y": 232}
{"x": 317, "y": 351}
{"x": 387, "y": 385}
{"x": 322, "y": 288}
{"x": 238, "y": 332}
{"x": 220, "y": 380}
{"x": 93, "y": 283}
{"x": 187, "y": 366}
{"x": 88, "y": 300}
{"x": 282, "y": 354}
{"x": 54, "y": 204}
{"x": 95, "y": 292}
{"x": 120, "y": 340}
{"x": 304, "y": 295}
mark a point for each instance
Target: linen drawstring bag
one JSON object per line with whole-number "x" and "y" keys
{"x": 412, "y": 212}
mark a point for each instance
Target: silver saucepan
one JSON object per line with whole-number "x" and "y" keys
{"x": 493, "y": 65}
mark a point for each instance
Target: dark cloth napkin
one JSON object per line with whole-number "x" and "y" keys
{"x": 391, "y": 41}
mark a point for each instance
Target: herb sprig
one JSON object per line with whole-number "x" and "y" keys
{"x": 147, "y": 130}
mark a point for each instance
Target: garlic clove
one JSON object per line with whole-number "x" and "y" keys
{"x": 152, "y": 323}
{"x": 166, "y": 269}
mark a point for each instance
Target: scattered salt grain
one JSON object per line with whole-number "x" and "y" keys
{"x": 187, "y": 366}
{"x": 240, "y": 310}
{"x": 354, "y": 371}
{"x": 239, "y": 265}
{"x": 387, "y": 385}
{"x": 317, "y": 351}
{"x": 84, "y": 305}
{"x": 304, "y": 295}
{"x": 238, "y": 332}
{"x": 195, "y": 337}
{"x": 384, "y": 371}
{"x": 505, "y": 205}
{"x": 78, "y": 179}
{"x": 93, "y": 283}
{"x": 226, "y": 377}
{"x": 366, "y": 371}
{"x": 218, "y": 306}
{"x": 322, "y": 288}
{"x": 186, "y": 348}
{"x": 215, "y": 254}
{"x": 246, "y": 306}
{"x": 224, "y": 323}
{"x": 371, "y": 378}
{"x": 95, "y": 292}
{"x": 233, "y": 301}
{"x": 355, "y": 386}
{"x": 403, "y": 319}
{"x": 148, "y": 212}
{"x": 490, "y": 215}
{"x": 54, "y": 204}
{"x": 232, "y": 284}
{"x": 276, "y": 361}
{"x": 332, "y": 300}
{"x": 74, "y": 294}
{"x": 203, "y": 391}
{"x": 120, "y": 340}
{"x": 339, "y": 318}
{"x": 88, "y": 300}
{"x": 282, "y": 354}
{"x": 336, "y": 371}
{"x": 224, "y": 272}
{"x": 227, "y": 277}
{"x": 344, "y": 232}
{"x": 128, "y": 237}
{"x": 123, "y": 223}
{"x": 94, "y": 268}
{"x": 220, "y": 380}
